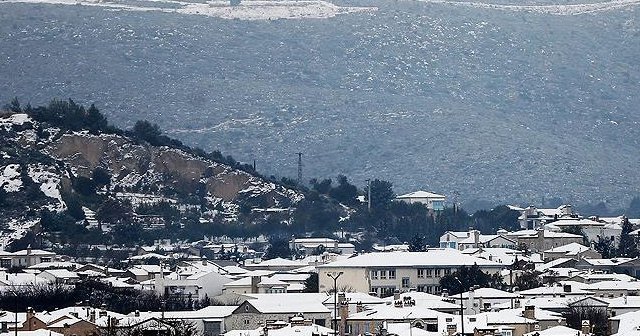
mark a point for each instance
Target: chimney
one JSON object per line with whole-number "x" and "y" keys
{"x": 530, "y": 312}
{"x": 566, "y": 288}
{"x": 586, "y": 327}
{"x": 102, "y": 313}
{"x": 255, "y": 280}
{"x": 396, "y": 295}
{"x": 452, "y": 329}
{"x": 344, "y": 313}
{"x": 297, "y": 320}
{"x": 30, "y": 315}
{"x": 476, "y": 238}
{"x": 4, "y": 327}
{"x": 359, "y": 307}
{"x": 137, "y": 313}
{"x": 472, "y": 298}
{"x": 92, "y": 316}
{"x": 341, "y": 297}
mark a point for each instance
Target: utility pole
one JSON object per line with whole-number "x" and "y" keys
{"x": 299, "y": 168}
{"x": 369, "y": 194}
{"x": 461, "y": 306}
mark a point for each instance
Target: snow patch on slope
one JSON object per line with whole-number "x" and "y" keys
{"x": 49, "y": 184}
{"x": 10, "y": 179}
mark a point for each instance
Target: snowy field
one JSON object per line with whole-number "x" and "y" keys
{"x": 288, "y": 9}
{"x": 555, "y": 9}
{"x": 245, "y": 10}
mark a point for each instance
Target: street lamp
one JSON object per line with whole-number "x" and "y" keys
{"x": 335, "y": 277}
{"x": 461, "y": 306}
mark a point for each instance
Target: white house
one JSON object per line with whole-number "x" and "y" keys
{"x": 433, "y": 201}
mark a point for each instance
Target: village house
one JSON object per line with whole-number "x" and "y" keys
{"x": 572, "y": 250}
{"x": 541, "y": 240}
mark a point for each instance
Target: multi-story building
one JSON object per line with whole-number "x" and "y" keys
{"x": 384, "y": 273}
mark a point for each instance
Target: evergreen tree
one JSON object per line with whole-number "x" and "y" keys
{"x": 95, "y": 121}
{"x": 605, "y": 246}
{"x": 278, "y": 248}
{"x": 14, "y": 106}
{"x": 345, "y": 192}
{"x": 467, "y": 277}
{"x": 311, "y": 284}
{"x": 627, "y": 247}
{"x": 417, "y": 244}
{"x": 381, "y": 194}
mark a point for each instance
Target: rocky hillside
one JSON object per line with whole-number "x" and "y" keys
{"x": 54, "y": 179}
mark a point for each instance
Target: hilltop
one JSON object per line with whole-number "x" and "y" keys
{"x": 69, "y": 177}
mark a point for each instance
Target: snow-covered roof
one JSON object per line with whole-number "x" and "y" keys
{"x": 552, "y": 264}
{"x": 391, "y": 312}
{"x": 288, "y": 330}
{"x": 55, "y": 265}
{"x": 276, "y": 262}
{"x": 588, "y": 276}
{"x": 149, "y": 256}
{"x": 433, "y": 257}
{"x": 426, "y": 300}
{"x": 569, "y": 249}
{"x": 235, "y": 269}
{"x": 421, "y": 194}
{"x": 62, "y": 273}
{"x": 579, "y": 222}
{"x": 32, "y": 252}
{"x": 614, "y": 285}
{"x": 283, "y": 303}
{"x": 606, "y": 262}
{"x": 490, "y": 293}
{"x": 555, "y": 291}
{"x": 555, "y": 331}
{"x": 39, "y": 332}
{"x": 629, "y": 323}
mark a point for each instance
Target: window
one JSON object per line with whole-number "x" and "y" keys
{"x": 392, "y": 274}
{"x": 374, "y": 275}
{"x": 438, "y": 273}
{"x": 405, "y": 282}
{"x": 429, "y": 272}
{"x": 447, "y": 271}
{"x": 437, "y": 289}
{"x": 212, "y": 328}
{"x": 421, "y": 273}
{"x": 383, "y": 274}
{"x": 429, "y": 289}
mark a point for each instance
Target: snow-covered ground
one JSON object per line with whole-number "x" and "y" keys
{"x": 49, "y": 184}
{"x": 556, "y": 9}
{"x": 245, "y": 10}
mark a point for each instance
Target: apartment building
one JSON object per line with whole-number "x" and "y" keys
{"x": 384, "y": 273}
